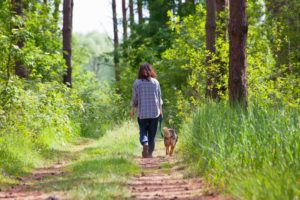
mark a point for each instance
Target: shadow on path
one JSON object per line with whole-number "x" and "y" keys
{"x": 160, "y": 179}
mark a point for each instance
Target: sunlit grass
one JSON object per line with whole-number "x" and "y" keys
{"x": 101, "y": 170}
{"x": 253, "y": 155}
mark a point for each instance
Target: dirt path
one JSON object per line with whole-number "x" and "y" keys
{"x": 28, "y": 187}
{"x": 160, "y": 179}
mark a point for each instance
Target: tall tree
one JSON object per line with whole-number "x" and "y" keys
{"x": 67, "y": 40}
{"x": 284, "y": 35}
{"x": 140, "y": 11}
{"x": 210, "y": 27}
{"x": 158, "y": 11}
{"x": 238, "y": 29}
{"x": 116, "y": 40}
{"x": 18, "y": 10}
{"x": 221, "y": 33}
{"x": 221, "y": 6}
{"x": 186, "y": 8}
{"x": 131, "y": 14}
{"x": 56, "y": 11}
{"x": 124, "y": 13}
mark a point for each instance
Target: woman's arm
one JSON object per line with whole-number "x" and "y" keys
{"x": 134, "y": 100}
{"x": 133, "y": 110}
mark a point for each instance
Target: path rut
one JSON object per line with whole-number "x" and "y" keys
{"x": 159, "y": 180}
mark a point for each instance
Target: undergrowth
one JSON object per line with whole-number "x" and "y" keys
{"x": 102, "y": 169}
{"x": 251, "y": 155}
{"x": 37, "y": 119}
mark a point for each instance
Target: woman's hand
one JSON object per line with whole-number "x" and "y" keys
{"x": 132, "y": 113}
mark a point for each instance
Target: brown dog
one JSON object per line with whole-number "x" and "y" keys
{"x": 170, "y": 140}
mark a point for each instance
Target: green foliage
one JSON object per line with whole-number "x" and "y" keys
{"x": 100, "y": 102}
{"x": 39, "y": 113}
{"x": 253, "y": 154}
{"x": 183, "y": 70}
{"x": 41, "y": 52}
{"x": 102, "y": 169}
{"x": 93, "y": 52}
{"x": 34, "y": 118}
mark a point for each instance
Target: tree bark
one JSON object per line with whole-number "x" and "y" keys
{"x": 238, "y": 29}
{"x": 186, "y": 8}
{"x": 56, "y": 11}
{"x": 221, "y": 32}
{"x": 116, "y": 41}
{"x": 20, "y": 69}
{"x": 281, "y": 52}
{"x": 131, "y": 14}
{"x": 140, "y": 11}
{"x": 191, "y": 5}
{"x": 124, "y": 13}
{"x": 67, "y": 40}
{"x": 220, "y": 7}
{"x": 210, "y": 47}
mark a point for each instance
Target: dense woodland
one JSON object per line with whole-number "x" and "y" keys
{"x": 229, "y": 72}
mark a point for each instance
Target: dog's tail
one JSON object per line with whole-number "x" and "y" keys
{"x": 167, "y": 134}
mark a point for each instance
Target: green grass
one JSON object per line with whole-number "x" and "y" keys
{"x": 102, "y": 170}
{"x": 254, "y": 155}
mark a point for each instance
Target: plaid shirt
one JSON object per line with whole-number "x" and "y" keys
{"x": 146, "y": 97}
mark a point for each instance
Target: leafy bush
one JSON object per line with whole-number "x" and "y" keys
{"x": 101, "y": 105}
{"x": 255, "y": 155}
{"x": 34, "y": 118}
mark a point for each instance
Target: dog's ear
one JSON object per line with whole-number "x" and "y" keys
{"x": 165, "y": 129}
{"x": 172, "y": 131}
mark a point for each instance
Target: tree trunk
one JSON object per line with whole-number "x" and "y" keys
{"x": 140, "y": 11}
{"x": 281, "y": 52}
{"x": 67, "y": 40}
{"x": 131, "y": 14}
{"x": 221, "y": 32}
{"x": 221, "y": 17}
{"x": 116, "y": 41}
{"x": 191, "y": 5}
{"x": 210, "y": 47}
{"x": 238, "y": 29}
{"x": 124, "y": 13}
{"x": 20, "y": 69}
{"x": 186, "y": 8}
{"x": 158, "y": 11}
{"x": 56, "y": 11}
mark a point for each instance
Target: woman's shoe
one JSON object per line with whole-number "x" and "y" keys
{"x": 145, "y": 151}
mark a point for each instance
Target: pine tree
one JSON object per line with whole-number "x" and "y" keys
{"x": 238, "y": 29}
{"x": 211, "y": 48}
{"x": 18, "y": 10}
{"x": 67, "y": 40}
{"x": 124, "y": 20}
{"x": 116, "y": 40}
{"x": 140, "y": 11}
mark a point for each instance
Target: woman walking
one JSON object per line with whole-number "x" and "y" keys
{"x": 147, "y": 103}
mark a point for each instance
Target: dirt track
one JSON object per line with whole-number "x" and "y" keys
{"x": 159, "y": 180}
{"x": 27, "y": 189}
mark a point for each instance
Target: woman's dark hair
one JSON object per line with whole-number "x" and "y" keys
{"x": 146, "y": 71}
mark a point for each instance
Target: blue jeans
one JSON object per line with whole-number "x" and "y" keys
{"x": 148, "y": 129}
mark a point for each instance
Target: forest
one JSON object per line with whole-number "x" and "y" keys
{"x": 229, "y": 72}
